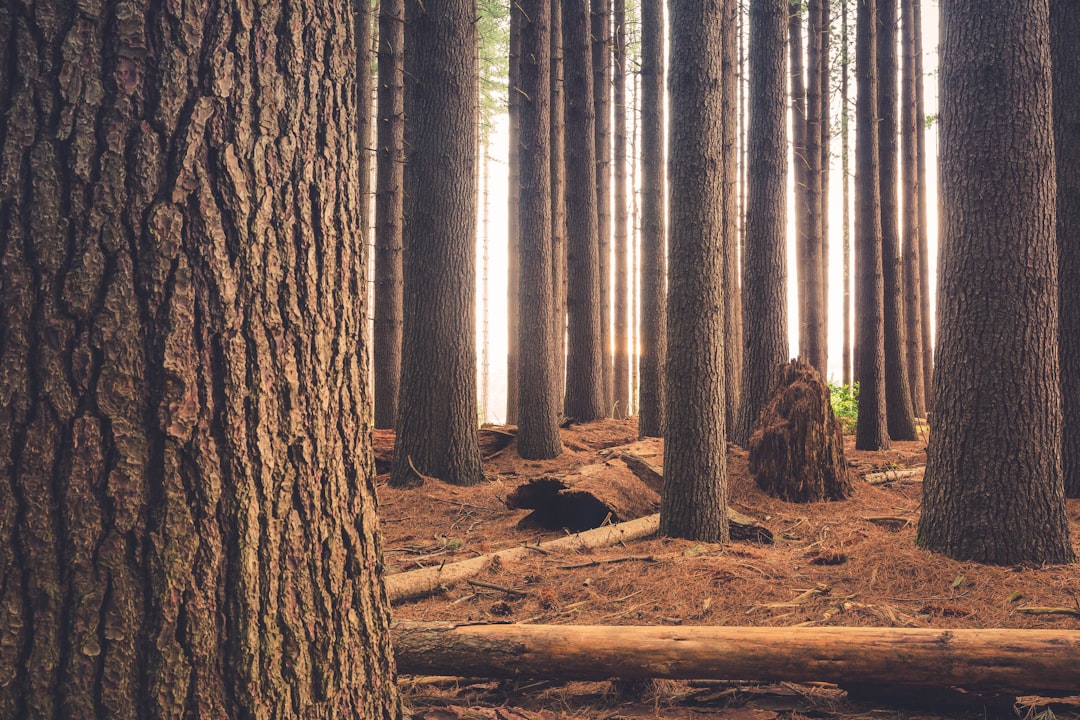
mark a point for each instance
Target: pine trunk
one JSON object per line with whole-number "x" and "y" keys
{"x": 513, "y": 219}
{"x": 924, "y": 243}
{"x": 600, "y": 22}
{"x": 732, "y": 297}
{"x": 621, "y": 382}
{"x": 558, "y": 202}
{"x": 811, "y": 262}
{"x": 845, "y": 172}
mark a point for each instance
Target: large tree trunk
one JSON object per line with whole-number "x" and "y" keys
{"x": 538, "y": 425}
{"x": 600, "y": 22}
{"x": 1016, "y": 660}
{"x": 993, "y": 489}
{"x": 872, "y": 431}
{"x": 584, "y": 378}
{"x": 732, "y": 297}
{"x": 513, "y": 219}
{"x": 653, "y": 225}
{"x": 436, "y": 423}
{"x": 558, "y": 201}
{"x": 386, "y": 350}
{"x": 187, "y": 480}
{"x": 899, "y": 413}
{"x": 694, "y": 500}
{"x": 1065, "y": 38}
{"x": 765, "y": 346}
{"x": 621, "y": 381}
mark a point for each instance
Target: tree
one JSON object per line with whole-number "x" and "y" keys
{"x": 538, "y": 434}
{"x": 765, "y": 347}
{"x": 558, "y": 199}
{"x": 909, "y": 134}
{"x": 694, "y": 499}
{"x": 188, "y": 487}
{"x": 513, "y": 219}
{"x": 847, "y": 376}
{"x": 1064, "y": 26}
{"x": 386, "y": 348}
{"x": 899, "y": 412}
{"x": 732, "y": 299}
{"x": 436, "y": 423}
{"x": 993, "y": 488}
{"x": 814, "y": 346}
{"x": 924, "y": 251}
{"x": 600, "y": 19}
{"x": 584, "y": 380}
{"x": 653, "y": 226}
{"x": 872, "y": 430}
{"x": 621, "y": 376}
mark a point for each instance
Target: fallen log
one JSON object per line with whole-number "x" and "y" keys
{"x": 1046, "y": 661}
{"x": 428, "y": 581}
{"x": 887, "y": 476}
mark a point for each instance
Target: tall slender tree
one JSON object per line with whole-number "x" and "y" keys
{"x": 825, "y": 163}
{"x": 872, "y": 430}
{"x": 584, "y": 378}
{"x": 538, "y": 434}
{"x": 694, "y": 499}
{"x": 1065, "y": 39}
{"x": 513, "y": 218}
{"x": 187, "y": 482}
{"x": 389, "y": 162}
{"x": 600, "y": 24}
{"x": 799, "y": 171}
{"x": 729, "y": 107}
{"x": 621, "y": 362}
{"x": 558, "y": 200}
{"x": 814, "y": 347}
{"x": 653, "y": 223}
{"x": 436, "y": 422}
{"x": 993, "y": 489}
{"x": 845, "y": 181}
{"x": 900, "y": 415}
{"x": 765, "y": 347}
{"x": 924, "y": 243}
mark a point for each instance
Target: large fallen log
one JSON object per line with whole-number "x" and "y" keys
{"x": 428, "y": 581}
{"x": 1006, "y": 660}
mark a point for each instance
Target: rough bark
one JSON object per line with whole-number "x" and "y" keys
{"x": 799, "y": 169}
{"x": 513, "y": 219}
{"x": 909, "y": 134}
{"x": 872, "y": 430}
{"x": 186, "y": 487}
{"x": 729, "y": 108}
{"x": 436, "y": 422}
{"x": 386, "y": 350}
{"x": 694, "y": 500}
{"x": 847, "y": 377}
{"x": 558, "y": 201}
{"x": 899, "y": 413}
{"x": 811, "y": 261}
{"x": 622, "y": 356}
{"x": 1016, "y": 660}
{"x": 584, "y": 378}
{"x": 993, "y": 488}
{"x": 600, "y": 24}
{"x": 653, "y": 224}
{"x": 538, "y": 426}
{"x": 825, "y": 127}
{"x": 797, "y": 449}
{"x": 764, "y": 289}
{"x": 1064, "y": 34}
{"x": 924, "y": 244}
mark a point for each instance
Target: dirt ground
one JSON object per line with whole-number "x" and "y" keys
{"x": 849, "y": 563}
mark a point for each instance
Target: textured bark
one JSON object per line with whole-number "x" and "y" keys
{"x": 814, "y": 346}
{"x": 386, "y": 350}
{"x": 558, "y": 201}
{"x": 436, "y": 422}
{"x": 653, "y": 224}
{"x": 825, "y": 127}
{"x": 847, "y": 376}
{"x": 694, "y": 500}
{"x": 600, "y": 23}
{"x": 798, "y": 164}
{"x": 538, "y": 422}
{"x": 765, "y": 346}
{"x": 924, "y": 243}
{"x": 899, "y": 412}
{"x": 621, "y": 362}
{"x": 909, "y": 136}
{"x": 993, "y": 488}
{"x": 729, "y": 109}
{"x": 872, "y": 430}
{"x": 513, "y": 220}
{"x": 187, "y": 506}
{"x": 1065, "y": 39}
{"x": 584, "y": 379}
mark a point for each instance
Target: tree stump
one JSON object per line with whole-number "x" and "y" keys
{"x": 797, "y": 449}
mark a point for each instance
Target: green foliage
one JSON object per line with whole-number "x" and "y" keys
{"x": 845, "y": 403}
{"x": 493, "y": 29}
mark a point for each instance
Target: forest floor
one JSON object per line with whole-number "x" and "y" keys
{"x": 849, "y": 563}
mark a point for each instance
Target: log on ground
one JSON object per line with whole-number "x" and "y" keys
{"x": 1046, "y": 661}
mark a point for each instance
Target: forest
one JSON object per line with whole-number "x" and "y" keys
{"x": 790, "y": 304}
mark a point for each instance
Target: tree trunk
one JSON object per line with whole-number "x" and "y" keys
{"x": 993, "y": 488}
{"x": 600, "y": 23}
{"x": 799, "y": 171}
{"x": 732, "y": 297}
{"x": 825, "y": 126}
{"x": 872, "y": 431}
{"x": 513, "y": 221}
{"x": 538, "y": 424}
{"x": 899, "y": 412}
{"x": 845, "y": 172}
{"x": 765, "y": 346}
{"x": 1015, "y": 660}
{"x": 811, "y": 262}
{"x": 584, "y": 378}
{"x": 621, "y": 382}
{"x": 694, "y": 500}
{"x": 386, "y": 350}
{"x": 188, "y": 486}
{"x": 910, "y": 217}
{"x": 653, "y": 224}
{"x": 558, "y": 201}
{"x": 436, "y": 423}
{"x": 1064, "y": 29}
{"x": 924, "y": 245}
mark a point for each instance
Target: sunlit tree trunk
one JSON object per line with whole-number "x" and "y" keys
{"x": 621, "y": 363}
{"x": 910, "y": 213}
